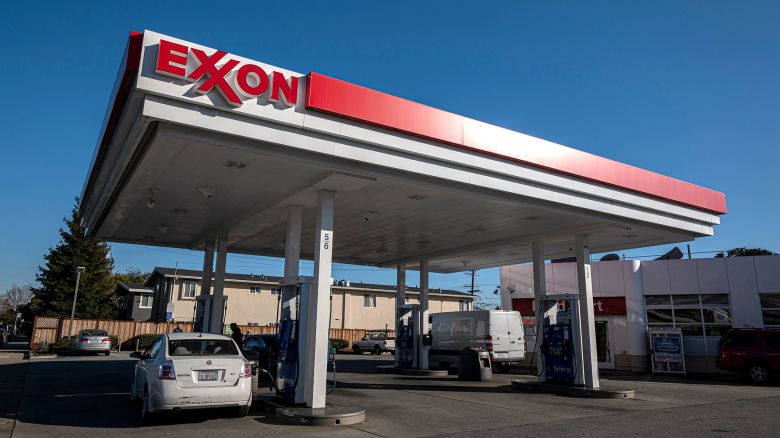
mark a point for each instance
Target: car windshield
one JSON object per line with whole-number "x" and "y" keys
{"x": 94, "y": 333}
{"x": 202, "y": 347}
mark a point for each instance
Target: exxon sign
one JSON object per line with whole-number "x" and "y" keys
{"x": 250, "y": 81}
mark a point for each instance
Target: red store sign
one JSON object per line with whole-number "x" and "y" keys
{"x": 248, "y": 82}
{"x": 602, "y": 306}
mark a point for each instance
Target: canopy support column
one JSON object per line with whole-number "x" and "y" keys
{"x": 587, "y": 318}
{"x": 318, "y": 305}
{"x": 540, "y": 291}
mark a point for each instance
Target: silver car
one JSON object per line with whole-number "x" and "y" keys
{"x": 92, "y": 341}
{"x": 191, "y": 371}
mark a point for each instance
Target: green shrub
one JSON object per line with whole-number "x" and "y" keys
{"x": 63, "y": 343}
{"x": 141, "y": 341}
{"x": 339, "y": 344}
{"x": 114, "y": 341}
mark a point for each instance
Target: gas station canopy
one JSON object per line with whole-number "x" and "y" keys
{"x": 198, "y": 143}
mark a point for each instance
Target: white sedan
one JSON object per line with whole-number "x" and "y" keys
{"x": 192, "y": 371}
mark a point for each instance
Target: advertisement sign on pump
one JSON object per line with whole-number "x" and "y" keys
{"x": 666, "y": 349}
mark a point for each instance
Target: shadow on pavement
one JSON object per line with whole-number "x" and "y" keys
{"x": 88, "y": 393}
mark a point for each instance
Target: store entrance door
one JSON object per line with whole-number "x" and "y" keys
{"x": 604, "y": 344}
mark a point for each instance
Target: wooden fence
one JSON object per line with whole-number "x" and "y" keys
{"x": 47, "y": 329}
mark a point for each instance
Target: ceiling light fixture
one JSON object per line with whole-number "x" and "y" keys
{"x": 424, "y": 242}
{"x": 161, "y": 228}
{"x": 368, "y": 215}
{"x": 151, "y": 203}
{"x": 180, "y": 210}
{"x": 628, "y": 236}
{"x": 416, "y": 197}
{"x": 477, "y": 230}
{"x": 532, "y": 218}
{"x": 235, "y": 164}
{"x": 207, "y": 192}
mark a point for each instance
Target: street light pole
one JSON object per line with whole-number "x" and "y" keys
{"x": 79, "y": 270}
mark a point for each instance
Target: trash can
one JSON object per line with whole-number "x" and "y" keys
{"x": 485, "y": 370}
{"x": 468, "y": 364}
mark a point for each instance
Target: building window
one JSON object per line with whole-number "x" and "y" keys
{"x": 275, "y": 291}
{"x": 254, "y": 290}
{"x": 369, "y": 300}
{"x": 253, "y": 324}
{"x": 146, "y": 302}
{"x": 770, "y": 308}
{"x": 695, "y": 315}
{"x": 463, "y": 305}
{"x": 188, "y": 289}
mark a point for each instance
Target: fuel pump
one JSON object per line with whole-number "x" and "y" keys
{"x": 407, "y": 334}
{"x": 559, "y": 321}
{"x": 202, "y": 313}
{"x": 290, "y": 375}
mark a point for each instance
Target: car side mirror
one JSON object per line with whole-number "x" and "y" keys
{"x": 136, "y": 355}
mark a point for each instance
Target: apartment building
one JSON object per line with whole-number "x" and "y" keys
{"x": 255, "y": 299}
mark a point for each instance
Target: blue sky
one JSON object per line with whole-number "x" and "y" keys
{"x": 688, "y": 89}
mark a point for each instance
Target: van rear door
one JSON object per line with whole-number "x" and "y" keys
{"x": 516, "y": 335}
{"x": 499, "y": 332}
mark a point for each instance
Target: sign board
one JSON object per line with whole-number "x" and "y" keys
{"x": 169, "y": 312}
{"x": 666, "y": 350}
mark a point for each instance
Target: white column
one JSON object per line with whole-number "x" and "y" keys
{"x": 424, "y": 350}
{"x": 540, "y": 291}
{"x": 636, "y": 325}
{"x": 292, "y": 257}
{"x": 587, "y": 319}
{"x": 203, "y": 312}
{"x": 400, "y": 300}
{"x": 318, "y": 305}
{"x": 217, "y": 322}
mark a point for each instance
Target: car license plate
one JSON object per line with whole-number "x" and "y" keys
{"x": 208, "y": 376}
{"x": 502, "y": 355}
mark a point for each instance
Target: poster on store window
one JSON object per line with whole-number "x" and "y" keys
{"x": 666, "y": 350}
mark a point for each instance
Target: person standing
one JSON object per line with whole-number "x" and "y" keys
{"x": 236, "y": 334}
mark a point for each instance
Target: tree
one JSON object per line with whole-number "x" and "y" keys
{"x": 745, "y": 252}
{"x": 15, "y": 297}
{"x": 97, "y": 289}
{"x": 131, "y": 275}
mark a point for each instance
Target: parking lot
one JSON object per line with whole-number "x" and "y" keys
{"x": 88, "y": 396}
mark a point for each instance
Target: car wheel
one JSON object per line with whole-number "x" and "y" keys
{"x": 377, "y": 350}
{"x": 107, "y": 353}
{"x": 243, "y": 411}
{"x": 758, "y": 373}
{"x": 147, "y": 416}
{"x": 356, "y": 349}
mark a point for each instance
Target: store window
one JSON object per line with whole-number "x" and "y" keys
{"x": 695, "y": 315}
{"x": 188, "y": 289}
{"x": 369, "y": 300}
{"x": 770, "y": 308}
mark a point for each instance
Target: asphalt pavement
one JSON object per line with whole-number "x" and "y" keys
{"x": 88, "y": 396}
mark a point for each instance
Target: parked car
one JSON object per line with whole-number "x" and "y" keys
{"x": 375, "y": 341}
{"x": 262, "y": 350}
{"x": 754, "y": 352}
{"x": 91, "y": 341}
{"x": 191, "y": 371}
{"x": 500, "y": 332}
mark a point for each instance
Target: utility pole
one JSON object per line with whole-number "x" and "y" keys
{"x": 79, "y": 270}
{"x": 473, "y": 274}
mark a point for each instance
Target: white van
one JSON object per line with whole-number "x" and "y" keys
{"x": 500, "y": 332}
